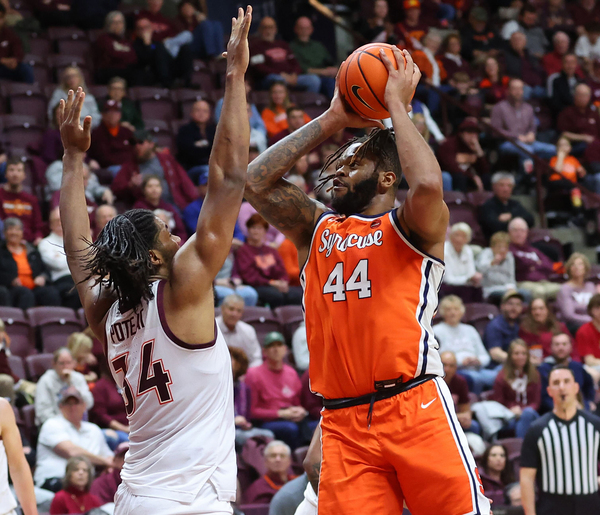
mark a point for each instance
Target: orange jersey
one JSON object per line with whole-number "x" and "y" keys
{"x": 369, "y": 298}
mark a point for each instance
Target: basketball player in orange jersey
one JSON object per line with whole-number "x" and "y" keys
{"x": 371, "y": 275}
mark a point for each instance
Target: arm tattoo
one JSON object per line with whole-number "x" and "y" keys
{"x": 281, "y": 203}
{"x": 314, "y": 476}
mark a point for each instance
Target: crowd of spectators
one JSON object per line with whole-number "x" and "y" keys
{"x": 506, "y": 92}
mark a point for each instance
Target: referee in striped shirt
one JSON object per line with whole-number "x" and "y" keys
{"x": 560, "y": 453}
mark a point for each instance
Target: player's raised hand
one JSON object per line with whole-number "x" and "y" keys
{"x": 238, "y": 52}
{"x": 344, "y": 115}
{"x": 403, "y": 81}
{"x": 75, "y": 138}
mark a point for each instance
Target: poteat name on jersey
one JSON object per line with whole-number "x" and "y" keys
{"x": 120, "y": 331}
{"x": 330, "y": 240}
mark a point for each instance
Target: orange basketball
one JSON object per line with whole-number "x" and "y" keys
{"x": 362, "y": 80}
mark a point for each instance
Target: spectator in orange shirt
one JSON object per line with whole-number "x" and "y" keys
{"x": 275, "y": 114}
{"x": 289, "y": 255}
{"x": 494, "y": 84}
{"x": 567, "y": 170}
{"x": 412, "y": 29}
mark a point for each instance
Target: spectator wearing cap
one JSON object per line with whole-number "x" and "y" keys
{"x": 513, "y": 117}
{"x": 528, "y": 24}
{"x": 532, "y": 267}
{"x": 275, "y": 388}
{"x": 61, "y": 375}
{"x": 504, "y": 328}
{"x": 72, "y": 78}
{"x": 261, "y": 267}
{"x": 12, "y": 66}
{"x": 580, "y": 124}
{"x": 195, "y": 139}
{"x": 498, "y": 211}
{"x": 152, "y": 199}
{"x": 112, "y": 144}
{"x": 272, "y": 60}
{"x": 130, "y": 114}
{"x": 562, "y": 85}
{"x": 65, "y": 436}
{"x": 478, "y": 40}
{"x": 552, "y": 61}
{"x": 278, "y": 459}
{"x": 113, "y": 52}
{"x": 412, "y": 28}
{"x": 177, "y": 187}
{"x": 519, "y": 62}
{"x": 461, "y": 155}
{"x": 237, "y": 333}
{"x": 312, "y": 55}
{"x": 105, "y": 486}
{"x": 17, "y": 203}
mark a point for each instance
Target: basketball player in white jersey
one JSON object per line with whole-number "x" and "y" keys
{"x": 151, "y": 303}
{"x": 13, "y": 458}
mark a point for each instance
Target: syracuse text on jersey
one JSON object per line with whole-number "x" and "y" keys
{"x": 330, "y": 240}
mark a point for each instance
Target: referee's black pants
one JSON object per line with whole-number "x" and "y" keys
{"x": 553, "y": 504}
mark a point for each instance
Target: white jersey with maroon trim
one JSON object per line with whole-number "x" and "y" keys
{"x": 179, "y": 402}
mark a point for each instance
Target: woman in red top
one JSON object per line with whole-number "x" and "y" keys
{"x": 494, "y": 85}
{"x": 75, "y": 497}
{"x": 517, "y": 387}
{"x": 537, "y": 327}
{"x": 588, "y": 337}
{"x": 496, "y": 473}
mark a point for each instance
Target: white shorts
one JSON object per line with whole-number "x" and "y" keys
{"x": 127, "y": 503}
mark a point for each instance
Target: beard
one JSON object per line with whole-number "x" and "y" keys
{"x": 357, "y": 199}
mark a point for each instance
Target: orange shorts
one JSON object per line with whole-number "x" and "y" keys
{"x": 415, "y": 451}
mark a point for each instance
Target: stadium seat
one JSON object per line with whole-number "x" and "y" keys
{"x": 98, "y": 90}
{"x": 28, "y": 416}
{"x": 305, "y": 99}
{"x": 23, "y": 135}
{"x": 155, "y": 103}
{"x": 315, "y": 111}
{"x": 513, "y": 446}
{"x": 454, "y": 197}
{"x": 203, "y": 78}
{"x": 298, "y": 457}
{"x": 161, "y": 130}
{"x": 37, "y": 365}
{"x": 93, "y": 34}
{"x": 263, "y": 320}
{"x": 40, "y": 46}
{"x": 60, "y": 33}
{"x": 39, "y": 63}
{"x": 17, "y": 366}
{"x": 34, "y": 104}
{"x": 254, "y": 509}
{"x": 479, "y": 314}
{"x": 60, "y": 62}
{"x": 477, "y": 198}
{"x": 290, "y": 318}
{"x": 252, "y": 453}
{"x": 54, "y": 325}
{"x": 80, "y": 47}
{"x": 185, "y": 98}
{"x": 19, "y": 330}
{"x": 465, "y": 212}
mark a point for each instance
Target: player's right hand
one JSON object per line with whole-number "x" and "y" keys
{"x": 402, "y": 81}
{"x": 75, "y": 138}
{"x": 238, "y": 52}
{"x": 344, "y": 116}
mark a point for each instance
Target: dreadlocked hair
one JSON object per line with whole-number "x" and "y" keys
{"x": 379, "y": 145}
{"x": 119, "y": 259}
